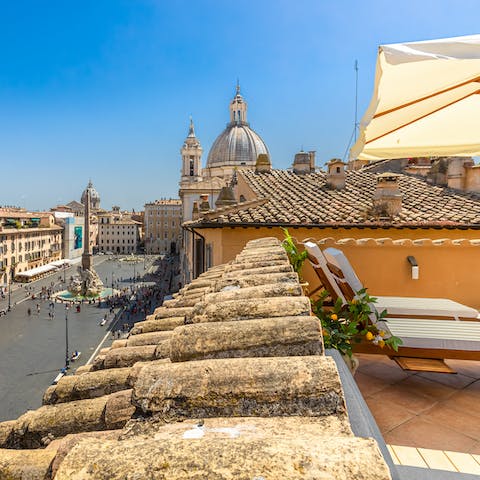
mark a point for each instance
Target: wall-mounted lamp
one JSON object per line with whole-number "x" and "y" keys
{"x": 413, "y": 262}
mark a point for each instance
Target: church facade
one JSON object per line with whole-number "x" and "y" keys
{"x": 201, "y": 188}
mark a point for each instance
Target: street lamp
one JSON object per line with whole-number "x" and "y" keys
{"x": 64, "y": 270}
{"x": 112, "y": 283}
{"x": 67, "y": 358}
{"x": 9, "y": 291}
{"x": 134, "y": 274}
{"x": 11, "y": 274}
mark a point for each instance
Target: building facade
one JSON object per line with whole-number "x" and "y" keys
{"x": 27, "y": 240}
{"x": 163, "y": 226}
{"x": 117, "y": 232}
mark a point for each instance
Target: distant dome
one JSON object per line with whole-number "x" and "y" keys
{"x": 94, "y": 196}
{"x": 238, "y": 144}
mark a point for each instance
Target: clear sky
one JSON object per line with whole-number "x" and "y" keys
{"x": 104, "y": 88}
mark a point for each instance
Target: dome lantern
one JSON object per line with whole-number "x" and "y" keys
{"x": 94, "y": 196}
{"x": 238, "y": 145}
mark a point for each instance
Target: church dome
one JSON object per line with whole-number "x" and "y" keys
{"x": 94, "y": 196}
{"x": 238, "y": 144}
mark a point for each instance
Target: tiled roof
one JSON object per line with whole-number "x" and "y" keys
{"x": 226, "y": 380}
{"x": 307, "y": 200}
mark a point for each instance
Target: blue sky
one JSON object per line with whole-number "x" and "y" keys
{"x": 104, "y": 88}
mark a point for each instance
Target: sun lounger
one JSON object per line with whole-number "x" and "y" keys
{"x": 415, "y": 320}
{"x": 340, "y": 280}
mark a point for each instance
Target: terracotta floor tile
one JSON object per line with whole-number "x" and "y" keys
{"x": 474, "y": 388}
{"x": 465, "y": 401}
{"x": 456, "y": 380}
{"x": 390, "y": 373}
{"x": 475, "y": 449}
{"x": 419, "y": 433}
{"x": 466, "y": 367}
{"x": 462, "y": 422}
{"x": 404, "y": 396}
{"x": 368, "y": 384}
{"x": 428, "y": 388}
{"x": 387, "y": 415}
{"x": 366, "y": 359}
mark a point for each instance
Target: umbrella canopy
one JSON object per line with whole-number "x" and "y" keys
{"x": 425, "y": 102}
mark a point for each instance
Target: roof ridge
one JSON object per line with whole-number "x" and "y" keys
{"x": 258, "y": 202}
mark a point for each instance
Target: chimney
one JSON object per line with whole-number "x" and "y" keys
{"x": 301, "y": 163}
{"x": 311, "y": 153}
{"x": 387, "y": 199}
{"x": 456, "y": 172}
{"x": 195, "y": 213}
{"x": 204, "y": 205}
{"x": 336, "y": 174}
{"x": 263, "y": 163}
{"x": 226, "y": 197}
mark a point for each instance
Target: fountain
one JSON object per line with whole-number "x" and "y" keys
{"x": 87, "y": 284}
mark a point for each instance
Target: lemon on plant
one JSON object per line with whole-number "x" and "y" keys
{"x": 381, "y": 343}
{"x": 369, "y": 336}
{"x": 334, "y": 316}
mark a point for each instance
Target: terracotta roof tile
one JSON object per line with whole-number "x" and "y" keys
{"x": 306, "y": 199}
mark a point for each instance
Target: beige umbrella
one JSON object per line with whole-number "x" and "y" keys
{"x": 425, "y": 102}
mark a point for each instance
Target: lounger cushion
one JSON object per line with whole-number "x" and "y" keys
{"x": 439, "y": 307}
{"x": 445, "y": 334}
{"x": 414, "y": 306}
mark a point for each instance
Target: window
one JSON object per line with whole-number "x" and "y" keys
{"x": 192, "y": 166}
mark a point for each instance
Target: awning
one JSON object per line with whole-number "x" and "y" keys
{"x": 36, "y": 271}
{"x": 426, "y": 101}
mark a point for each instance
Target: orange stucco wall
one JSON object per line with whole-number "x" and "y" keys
{"x": 445, "y": 270}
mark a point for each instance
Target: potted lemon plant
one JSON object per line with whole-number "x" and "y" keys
{"x": 348, "y": 323}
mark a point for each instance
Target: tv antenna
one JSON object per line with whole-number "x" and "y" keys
{"x": 355, "y": 125}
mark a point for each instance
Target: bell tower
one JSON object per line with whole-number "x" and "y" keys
{"x": 191, "y": 157}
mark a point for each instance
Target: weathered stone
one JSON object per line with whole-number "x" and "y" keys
{"x": 6, "y": 432}
{"x": 119, "y": 343}
{"x": 234, "y": 310}
{"x": 150, "y": 338}
{"x": 26, "y": 464}
{"x": 126, "y": 357}
{"x": 196, "y": 284}
{"x": 98, "y": 362}
{"x": 51, "y": 421}
{"x": 265, "y": 241}
{"x": 260, "y": 248}
{"x": 248, "y": 265}
{"x": 104, "y": 351}
{"x": 253, "y": 427}
{"x": 262, "y": 291}
{"x": 270, "y": 337}
{"x": 163, "y": 312}
{"x": 270, "y": 260}
{"x": 157, "y": 325}
{"x": 254, "y": 280}
{"x": 237, "y": 387}
{"x": 65, "y": 444}
{"x": 119, "y": 409}
{"x": 258, "y": 271}
{"x": 90, "y": 385}
{"x": 83, "y": 369}
{"x": 227, "y": 458}
{"x": 135, "y": 370}
{"x": 188, "y": 300}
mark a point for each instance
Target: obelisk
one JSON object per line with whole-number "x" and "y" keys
{"x": 87, "y": 251}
